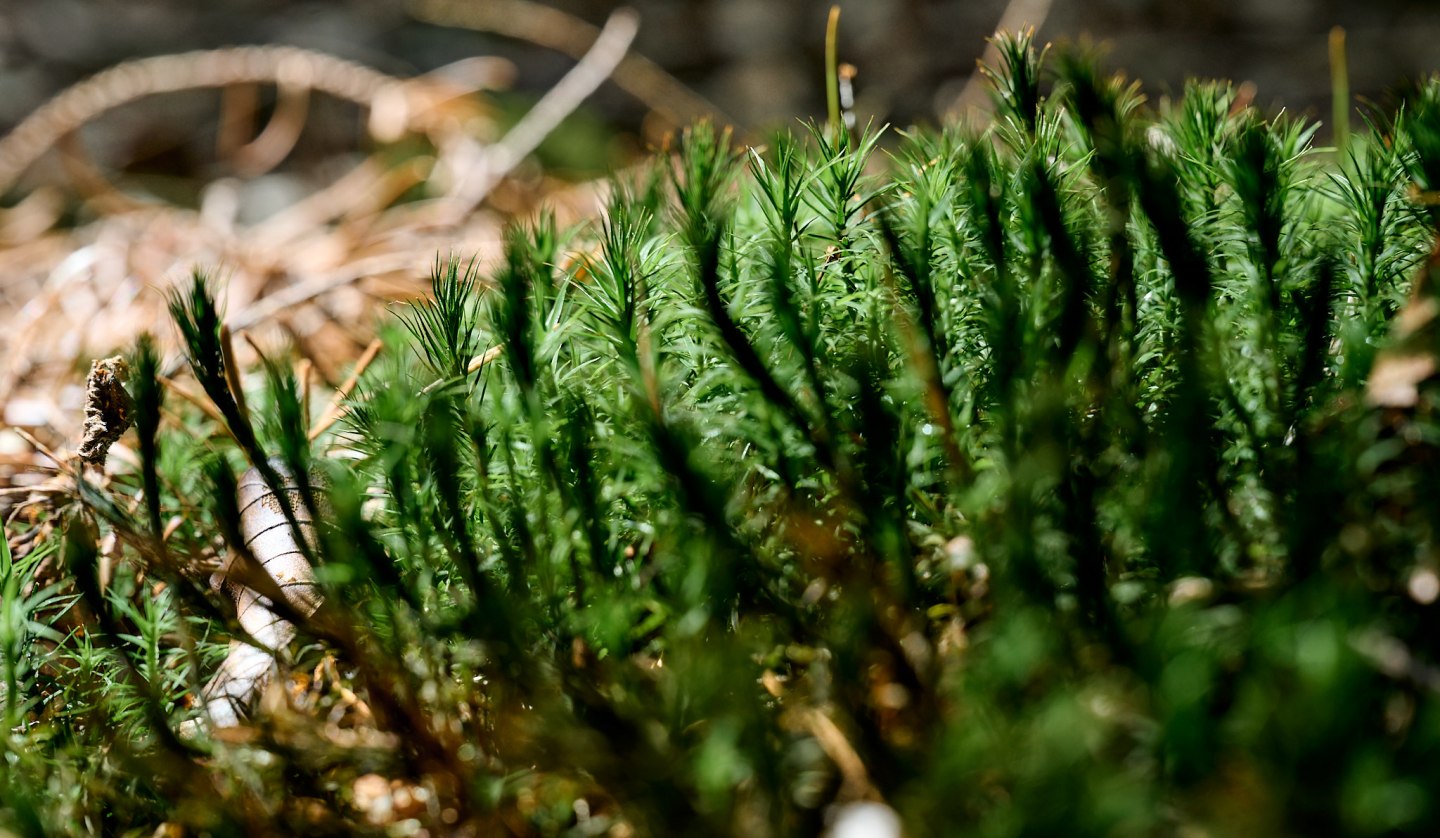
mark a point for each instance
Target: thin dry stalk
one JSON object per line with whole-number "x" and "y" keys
{"x": 523, "y": 20}
{"x": 559, "y": 102}
{"x": 475, "y": 365}
{"x": 333, "y": 410}
{"x": 232, "y": 371}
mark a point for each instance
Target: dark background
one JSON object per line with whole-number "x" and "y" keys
{"x": 758, "y": 60}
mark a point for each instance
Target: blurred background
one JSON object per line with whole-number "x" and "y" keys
{"x": 757, "y": 61}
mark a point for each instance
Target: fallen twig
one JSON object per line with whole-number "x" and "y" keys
{"x": 560, "y": 101}
{"x": 528, "y": 21}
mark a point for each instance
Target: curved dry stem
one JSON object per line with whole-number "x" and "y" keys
{"x": 280, "y": 134}
{"x": 138, "y": 79}
{"x": 493, "y": 164}
{"x": 551, "y": 28}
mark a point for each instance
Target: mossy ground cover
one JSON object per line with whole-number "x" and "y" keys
{"x": 1073, "y": 475}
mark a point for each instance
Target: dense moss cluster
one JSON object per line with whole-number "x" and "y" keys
{"x": 1029, "y": 480}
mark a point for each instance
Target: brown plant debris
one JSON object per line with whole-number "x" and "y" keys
{"x": 247, "y": 669}
{"x": 108, "y": 409}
